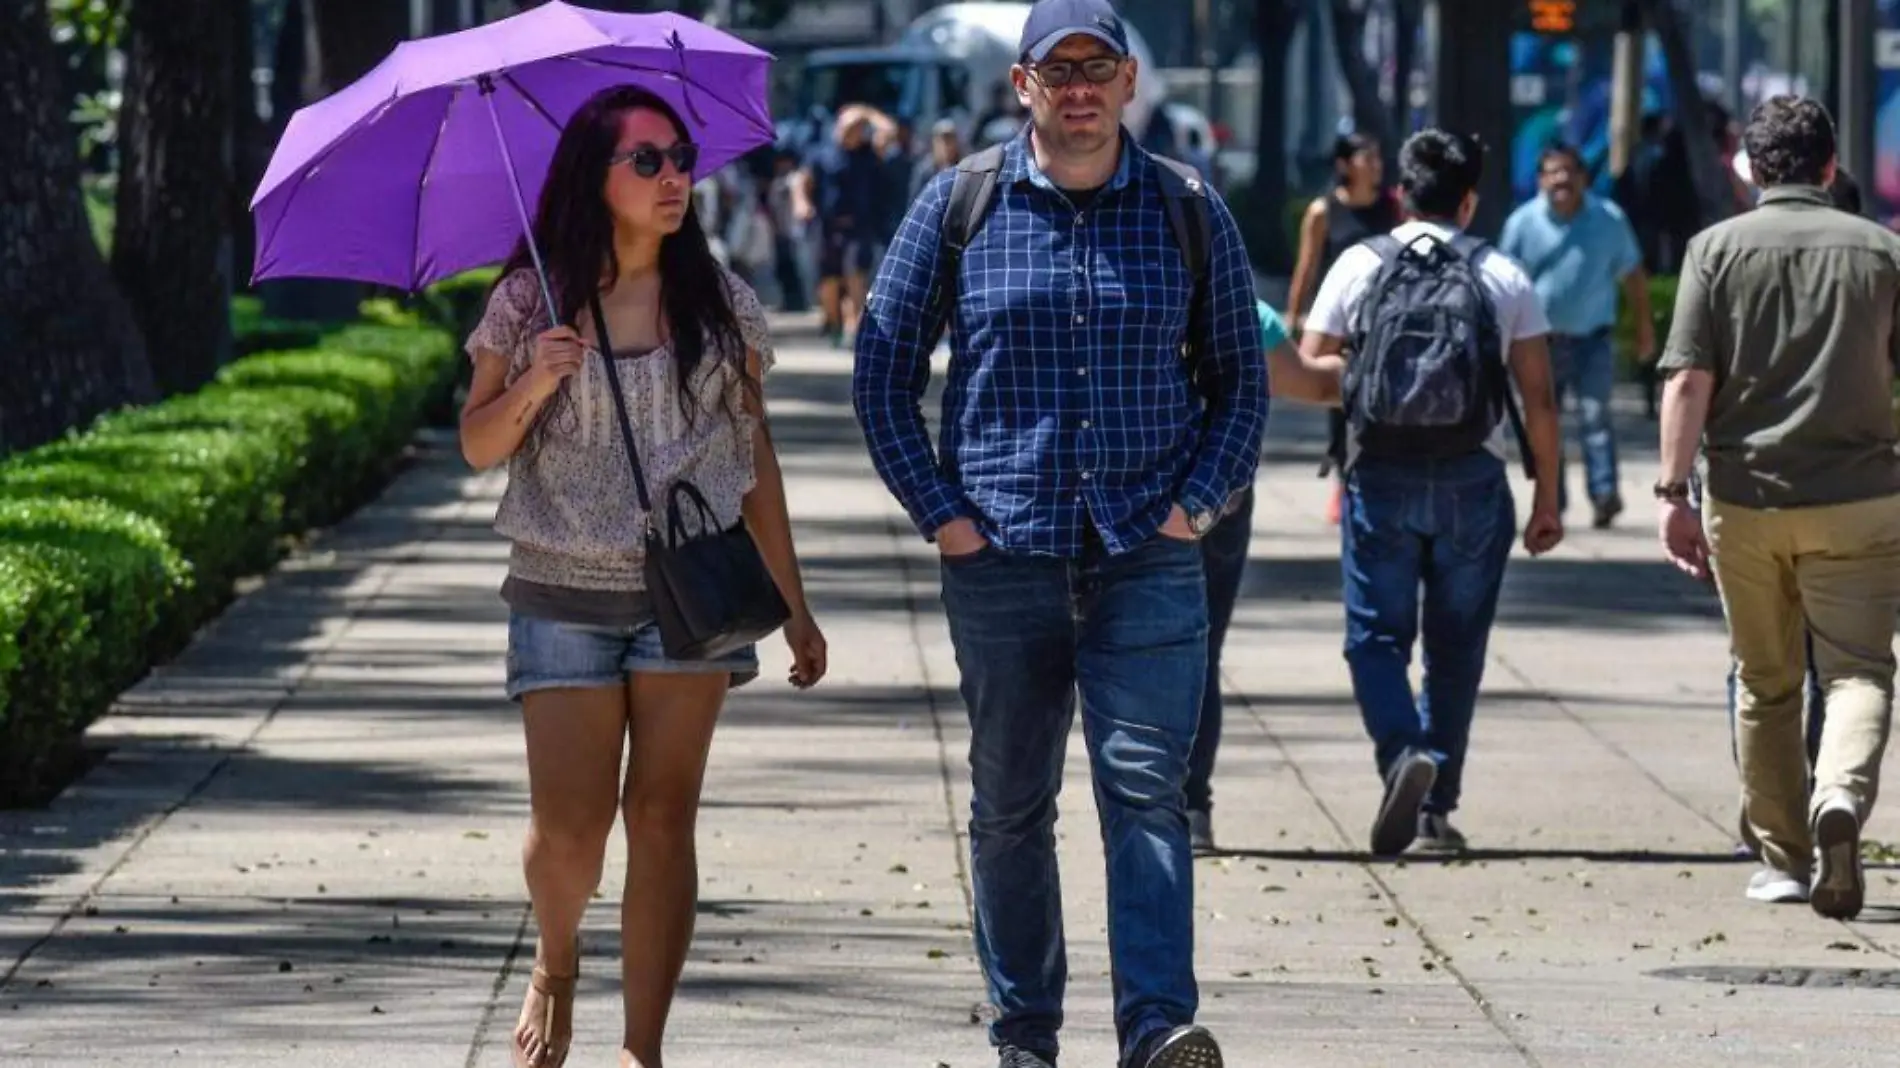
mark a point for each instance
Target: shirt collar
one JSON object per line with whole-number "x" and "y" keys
{"x": 1797, "y": 194}
{"x": 1550, "y": 210}
{"x": 1019, "y": 164}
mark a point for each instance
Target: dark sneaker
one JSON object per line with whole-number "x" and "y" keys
{"x": 1838, "y": 887}
{"x": 1605, "y": 511}
{"x": 1437, "y": 835}
{"x": 1022, "y": 1058}
{"x": 1189, "y": 1046}
{"x": 1406, "y": 785}
{"x": 1201, "y": 832}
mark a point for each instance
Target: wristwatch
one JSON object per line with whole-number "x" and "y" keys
{"x": 1672, "y": 491}
{"x": 1202, "y": 522}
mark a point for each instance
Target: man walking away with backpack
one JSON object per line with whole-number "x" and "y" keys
{"x": 1433, "y": 327}
{"x": 1781, "y": 361}
{"x": 1083, "y": 453}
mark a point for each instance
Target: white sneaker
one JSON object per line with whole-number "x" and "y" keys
{"x": 1839, "y": 889}
{"x": 1777, "y": 887}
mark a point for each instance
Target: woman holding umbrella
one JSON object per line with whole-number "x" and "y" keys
{"x": 684, "y": 344}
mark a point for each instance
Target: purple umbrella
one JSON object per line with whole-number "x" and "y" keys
{"x": 425, "y": 166}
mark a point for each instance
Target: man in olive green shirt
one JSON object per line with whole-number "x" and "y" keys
{"x": 1782, "y": 361}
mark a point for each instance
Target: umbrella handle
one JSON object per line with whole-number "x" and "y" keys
{"x": 486, "y": 84}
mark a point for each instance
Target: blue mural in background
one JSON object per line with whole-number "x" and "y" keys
{"x": 1883, "y": 193}
{"x": 1560, "y": 90}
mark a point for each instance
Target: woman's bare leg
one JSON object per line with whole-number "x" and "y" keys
{"x": 574, "y": 744}
{"x": 671, "y": 728}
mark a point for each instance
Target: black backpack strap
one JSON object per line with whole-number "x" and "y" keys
{"x": 1184, "y": 195}
{"x": 1474, "y": 250}
{"x": 971, "y": 190}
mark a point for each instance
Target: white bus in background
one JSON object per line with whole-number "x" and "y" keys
{"x": 946, "y": 64}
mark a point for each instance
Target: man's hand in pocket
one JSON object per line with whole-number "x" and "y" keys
{"x": 959, "y": 537}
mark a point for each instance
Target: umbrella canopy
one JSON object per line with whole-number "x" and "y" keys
{"x": 421, "y": 168}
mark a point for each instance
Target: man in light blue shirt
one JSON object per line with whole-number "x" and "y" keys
{"x": 1579, "y": 248}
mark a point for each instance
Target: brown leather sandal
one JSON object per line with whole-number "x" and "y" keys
{"x": 557, "y": 1020}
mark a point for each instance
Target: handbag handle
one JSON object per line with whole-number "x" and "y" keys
{"x": 620, "y": 410}
{"x": 676, "y": 523}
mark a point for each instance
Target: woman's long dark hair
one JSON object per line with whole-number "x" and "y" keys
{"x": 574, "y": 230}
{"x": 1345, "y": 147}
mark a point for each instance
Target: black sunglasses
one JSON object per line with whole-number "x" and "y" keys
{"x": 647, "y": 159}
{"x": 1058, "y": 73}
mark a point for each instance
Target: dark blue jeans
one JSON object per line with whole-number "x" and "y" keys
{"x": 1129, "y": 634}
{"x": 1586, "y": 368}
{"x": 1445, "y": 526}
{"x": 1224, "y": 557}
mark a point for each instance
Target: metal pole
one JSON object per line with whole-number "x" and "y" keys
{"x": 1732, "y": 54}
{"x": 1209, "y": 56}
{"x": 1855, "y": 121}
{"x": 1626, "y": 87}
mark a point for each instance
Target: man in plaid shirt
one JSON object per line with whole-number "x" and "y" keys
{"x": 1078, "y": 466}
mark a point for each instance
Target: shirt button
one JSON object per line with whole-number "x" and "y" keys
{"x": 1081, "y": 318}
{"x": 1081, "y": 370}
{"x": 1078, "y": 218}
{"x": 1086, "y": 424}
{"x": 1085, "y": 476}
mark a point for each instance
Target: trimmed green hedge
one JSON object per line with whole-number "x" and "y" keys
{"x": 118, "y": 542}
{"x": 1662, "y": 308}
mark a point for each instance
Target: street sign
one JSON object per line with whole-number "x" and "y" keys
{"x": 1553, "y": 16}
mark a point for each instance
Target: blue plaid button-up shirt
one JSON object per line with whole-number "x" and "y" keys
{"x": 1068, "y": 400}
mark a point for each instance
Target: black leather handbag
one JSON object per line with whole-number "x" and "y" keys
{"x": 711, "y": 591}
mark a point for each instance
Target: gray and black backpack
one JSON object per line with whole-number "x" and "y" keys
{"x": 1426, "y": 376}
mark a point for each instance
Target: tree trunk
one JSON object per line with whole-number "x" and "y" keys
{"x": 1274, "y": 23}
{"x": 352, "y": 38}
{"x": 1471, "y": 94}
{"x": 250, "y": 149}
{"x": 329, "y": 43}
{"x": 1713, "y": 196}
{"x": 1407, "y": 16}
{"x": 69, "y": 348}
{"x": 1369, "y": 115}
{"x": 171, "y": 248}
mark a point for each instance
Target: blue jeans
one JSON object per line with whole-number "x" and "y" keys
{"x": 1224, "y": 557}
{"x": 1446, "y": 525}
{"x": 1129, "y": 633}
{"x": 546, "y": 654}
{"x": 1586, "y": 366}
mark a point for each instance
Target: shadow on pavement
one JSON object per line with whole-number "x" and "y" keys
{"x": 1470, "y": 856}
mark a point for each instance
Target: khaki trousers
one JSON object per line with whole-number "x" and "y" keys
{"x": 1836, "y": 569}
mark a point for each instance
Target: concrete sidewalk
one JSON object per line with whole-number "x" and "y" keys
{"x": 303, "y": 848}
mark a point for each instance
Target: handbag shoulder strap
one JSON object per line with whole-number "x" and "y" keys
{"x": 620, "y": 408}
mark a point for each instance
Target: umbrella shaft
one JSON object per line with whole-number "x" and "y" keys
{"x": 521, "y": 205}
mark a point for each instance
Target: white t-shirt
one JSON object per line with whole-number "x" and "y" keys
{"x": 1520, "y": 313}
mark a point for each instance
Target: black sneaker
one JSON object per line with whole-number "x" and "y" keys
{"x": 1188, "y": 1046}
{"x": 1201, "y": 832}
{"x": 1406, "y": 785}
{"x": 1605, "y": 511}
{"x": 1437, "y": 835}
{"x": 1022, "y": 1058}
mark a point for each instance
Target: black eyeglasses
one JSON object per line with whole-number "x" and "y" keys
{"x": 1058, "y": 73}
{"x": 647, "y": 159}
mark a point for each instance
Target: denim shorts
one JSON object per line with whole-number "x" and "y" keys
{"x": 544, "y": 654}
